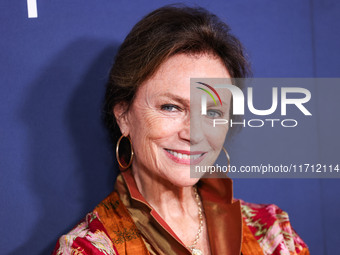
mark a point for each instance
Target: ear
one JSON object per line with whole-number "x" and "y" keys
{"x": 121, "y": 115}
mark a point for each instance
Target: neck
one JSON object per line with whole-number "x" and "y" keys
{"x": 169, "y": 200}
{"x": 176, "y": 205}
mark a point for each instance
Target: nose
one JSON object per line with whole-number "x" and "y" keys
{"x": 184, "y": 132}
{"x": 191, "y": 130}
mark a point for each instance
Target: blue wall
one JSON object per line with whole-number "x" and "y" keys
{"x": 55, "y": 160}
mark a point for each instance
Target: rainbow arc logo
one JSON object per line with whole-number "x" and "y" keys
{"x": 204, "y": 97}
{"x": 209, "y": 93}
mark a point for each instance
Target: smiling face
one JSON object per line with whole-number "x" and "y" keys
{"x": 167, "y": 131}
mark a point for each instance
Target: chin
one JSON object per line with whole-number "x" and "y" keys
{"x": 182, "y": 180}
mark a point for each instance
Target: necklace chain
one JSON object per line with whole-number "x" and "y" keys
{"x": 192, "y": 247}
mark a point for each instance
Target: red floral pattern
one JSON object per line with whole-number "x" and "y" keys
{"x": 271, "y": 228}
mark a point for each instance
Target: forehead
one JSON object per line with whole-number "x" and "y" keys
{"x": 173, "y": 76}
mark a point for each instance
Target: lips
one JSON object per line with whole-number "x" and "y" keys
{"x": 185, "y": 157}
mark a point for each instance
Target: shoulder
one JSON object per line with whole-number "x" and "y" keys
{"x": 272, "y": 229}
{"x": 88, "y": 237}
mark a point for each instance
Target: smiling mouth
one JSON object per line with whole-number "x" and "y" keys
{"x": 184, "y": 155}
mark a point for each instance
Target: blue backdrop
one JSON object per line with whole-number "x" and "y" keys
{"x": 55, "y": 160}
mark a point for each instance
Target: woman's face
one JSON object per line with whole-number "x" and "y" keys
{"x": 167, "y": 130}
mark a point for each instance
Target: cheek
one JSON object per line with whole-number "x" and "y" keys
{"x": 150, "y": 135}
{"x": 216, "y": 136}
{"x": 150, "y": 127}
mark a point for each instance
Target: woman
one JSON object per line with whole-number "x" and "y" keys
{"x": 156, "y": 207}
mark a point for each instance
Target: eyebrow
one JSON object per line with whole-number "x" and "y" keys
{"x": 185, "y": 101}
{"x": 176, "y": 98}
{"x": 211, "y": 103}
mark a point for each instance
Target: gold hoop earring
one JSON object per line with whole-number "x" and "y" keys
{"x": 117, "y": 153}
{"x": 228, "y": 158}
